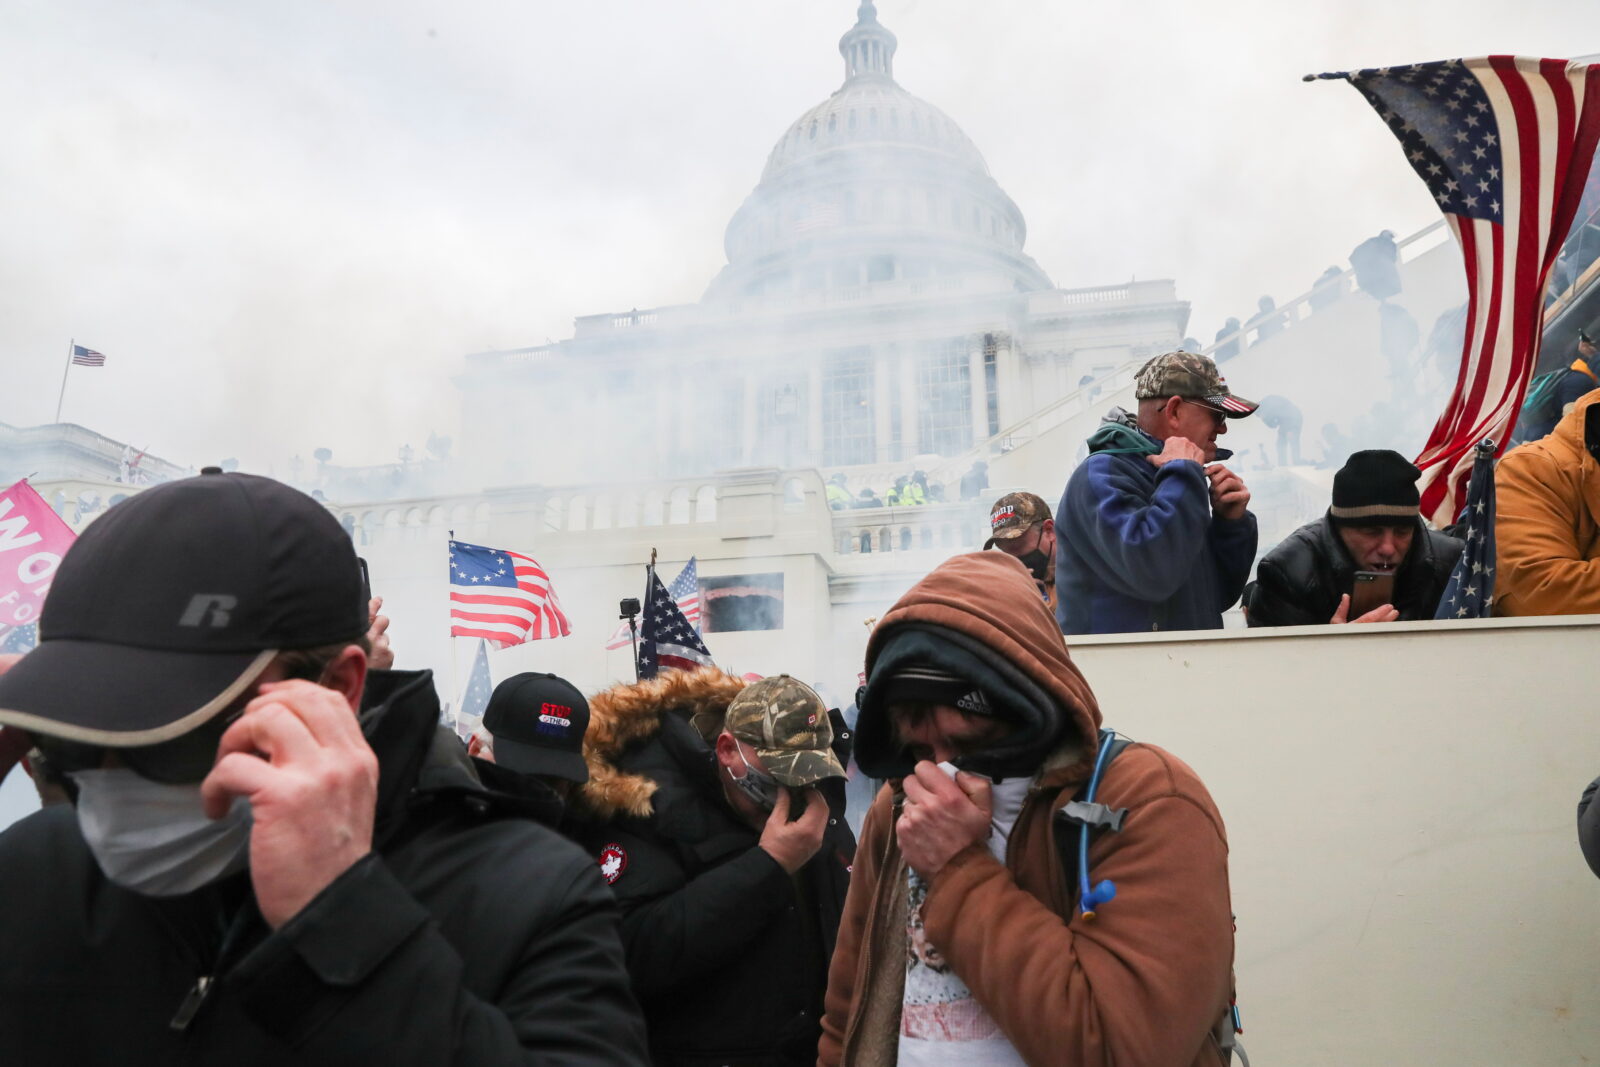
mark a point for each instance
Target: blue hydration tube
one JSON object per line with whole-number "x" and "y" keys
{"x": 1091, "y": 898}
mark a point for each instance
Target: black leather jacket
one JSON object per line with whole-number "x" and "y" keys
{"x": 1300, "y": 581}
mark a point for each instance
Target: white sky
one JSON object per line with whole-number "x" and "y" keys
{"x": 286, "y": 222}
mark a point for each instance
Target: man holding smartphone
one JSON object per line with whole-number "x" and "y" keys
{"x": 1368, "y": 559}
{"x": 703, "y": 811}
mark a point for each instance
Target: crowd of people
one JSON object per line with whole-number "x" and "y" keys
{"x": 258, "y": 844}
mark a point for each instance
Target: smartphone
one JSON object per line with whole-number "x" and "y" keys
{"x": 366, "y": 581}
{"x": 1373, "y": 589}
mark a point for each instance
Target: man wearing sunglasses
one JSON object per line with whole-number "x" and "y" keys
{"x": 251, "y": 871}
{"x": 1152, "y": 533}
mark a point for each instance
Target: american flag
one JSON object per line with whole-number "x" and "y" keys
{"x": 87, "y": 357}
{"x": 475, "y": 698}
{"x": 1470, "y": 594}
{"x": 19, "y": 639}
{"x": 1504, "y": 144}
{"x": 504, "y": 597}
{"x": 666, "y": 640}
{"x": 685, "y": 590}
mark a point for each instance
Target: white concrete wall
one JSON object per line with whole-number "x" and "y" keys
{"x": 1400, "y": 810}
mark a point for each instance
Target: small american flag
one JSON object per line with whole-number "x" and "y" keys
{"x": 502, "y": 596}
{"x": 87, "y": 357}
{"x": 666, "y": 640}
{"x": 1504, "y": 144}
{"x": 475, "y": 698}
{"x": 685, "y": 590}
{"x": 20, "y": 639}
{"x": 1470, "y": 594}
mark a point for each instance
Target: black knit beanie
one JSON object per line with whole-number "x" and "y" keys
{"x": 1376, "y": 487}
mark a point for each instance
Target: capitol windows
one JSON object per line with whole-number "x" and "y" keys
{"x": 738, "y": 602}
{"x": 880, "y": 269}
{"x": 847, "y": 418}
{"x": 852, "y": 123}
{"x": 944, "y": 398}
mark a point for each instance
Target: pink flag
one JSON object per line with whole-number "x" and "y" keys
{"x": 33, "y": 539}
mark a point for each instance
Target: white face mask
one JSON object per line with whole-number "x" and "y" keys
{"x": 154, "y": 838}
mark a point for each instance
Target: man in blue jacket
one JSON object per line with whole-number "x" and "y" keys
{"x": 1148, "y": 536}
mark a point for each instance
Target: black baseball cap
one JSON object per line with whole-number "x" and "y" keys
{"x": 538, "y": 722}
{"x": 172, "y": 603}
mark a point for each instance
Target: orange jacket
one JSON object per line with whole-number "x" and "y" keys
{"x": 1547, "y": 523}
{"x": 1146, "y": 982}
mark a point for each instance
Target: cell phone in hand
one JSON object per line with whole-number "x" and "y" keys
{"x": 1373, "y": 589}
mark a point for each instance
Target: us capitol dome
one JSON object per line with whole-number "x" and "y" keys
{"x": 873, "y": 184}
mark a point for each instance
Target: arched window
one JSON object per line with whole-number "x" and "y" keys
{"x": 884, "y": 544}
{"x": 833, "y": 125}
{"x": 705, "y": 504}
{"x": 947, "y": 536}
{"x": 436, "y": 516}
{"x": 813, "y": 129}
{"x": 578, "y": 514}
{"x": 678, "y": 506}
{"x": 653, "y": 502}
{"x": 927, "y": 537}
{"x": 866, "y": 540}
{"x": 905, "y": 538}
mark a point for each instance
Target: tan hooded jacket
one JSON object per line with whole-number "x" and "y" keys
{"x": 1141, "y": 986}
{"x": 1547, "y": 523}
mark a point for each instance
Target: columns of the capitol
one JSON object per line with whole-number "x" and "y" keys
{"x": 980, "y": 390}
{"x": 909, "y": 442}
{"x": 882, "y": 406}
{"x": 747, "y": 431}
{"x": 814, "y": 410}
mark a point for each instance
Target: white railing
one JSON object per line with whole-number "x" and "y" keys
{"x": 858, "y": 531}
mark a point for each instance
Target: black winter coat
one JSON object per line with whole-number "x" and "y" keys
{"x": 468, "y": 936}
{"x": 728, "y": 953}
{"x": 1300, "y": 581}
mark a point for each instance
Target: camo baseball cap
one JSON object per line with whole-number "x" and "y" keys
{"x": 1013, "y": 514}
{"x": 787, "y": 722}
{"x": 1192, "y": 377}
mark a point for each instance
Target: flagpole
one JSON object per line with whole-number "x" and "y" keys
{"x": 71, "y": 344}
{"x": 455, "y": 667}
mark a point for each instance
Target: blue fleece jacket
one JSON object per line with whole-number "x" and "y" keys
{"x": 1137, "y": 548}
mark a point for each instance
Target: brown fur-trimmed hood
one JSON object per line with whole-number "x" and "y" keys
{"x": 625, "y": 715}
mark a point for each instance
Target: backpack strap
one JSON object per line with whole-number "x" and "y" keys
{"x": 1080, "y": 819}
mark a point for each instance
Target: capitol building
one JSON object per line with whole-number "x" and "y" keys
{"x": 878, "y": 315}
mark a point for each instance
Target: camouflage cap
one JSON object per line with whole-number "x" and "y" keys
{"x": 1192, "y": 377}
{"x": 1013, "y": 514}
{"x": 787, "y": 722}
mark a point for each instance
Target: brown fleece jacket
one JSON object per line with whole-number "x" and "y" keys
{"x": 1141, "y": 986}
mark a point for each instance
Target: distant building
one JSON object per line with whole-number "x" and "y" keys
{"x": 877, "y": 305}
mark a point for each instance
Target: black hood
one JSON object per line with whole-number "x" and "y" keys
{"x": 1040, "y": 723}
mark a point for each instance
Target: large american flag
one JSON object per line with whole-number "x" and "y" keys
{"x": 666, "y": 640}
{"x": 1504, "y": 144}
{"x": 685, "y": 590}
{"x": 1470, "y": 592}
{"x": 502, "y": 596}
